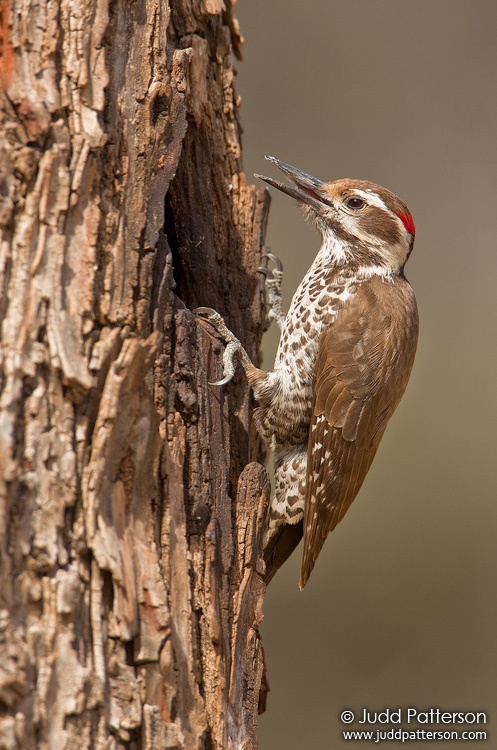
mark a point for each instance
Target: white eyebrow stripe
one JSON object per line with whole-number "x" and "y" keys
{"x": 373, "y": 199}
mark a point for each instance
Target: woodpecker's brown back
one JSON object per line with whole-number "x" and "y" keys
{"x": 363, "y": 366}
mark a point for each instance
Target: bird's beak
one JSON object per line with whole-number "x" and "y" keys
{"x": 306, "y": 189}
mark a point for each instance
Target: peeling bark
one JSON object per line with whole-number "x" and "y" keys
{"x": 130, "y": 511}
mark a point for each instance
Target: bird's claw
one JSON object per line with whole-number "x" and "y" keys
{"x": 275, "y": 259}
{"x": 224, "y": 381}
{"x": 233, "y": 346}
{"x": 274, "y": 277}
{"x": 268, "y": 272}
{"x": 211, "y": 314}
{"x": 204, "y": 311}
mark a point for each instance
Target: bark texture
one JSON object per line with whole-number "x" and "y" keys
{"x": 130, "y": 514}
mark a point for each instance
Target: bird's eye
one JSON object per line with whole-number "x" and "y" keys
{"x": 355, "y": 202}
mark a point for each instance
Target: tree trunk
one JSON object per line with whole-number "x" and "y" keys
{"x": 130, "y": 516}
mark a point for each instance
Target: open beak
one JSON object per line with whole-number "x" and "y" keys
{"x": 306, "y": 189}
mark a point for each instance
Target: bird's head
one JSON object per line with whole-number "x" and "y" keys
{"x": 359, "y": 221}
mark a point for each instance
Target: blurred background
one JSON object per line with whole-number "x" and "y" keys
{"x": 400, "y": 610}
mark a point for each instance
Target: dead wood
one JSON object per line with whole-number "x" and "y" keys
{"x": 130, "y": 511}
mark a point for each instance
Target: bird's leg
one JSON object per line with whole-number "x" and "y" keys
{"x": 274, "y": 278}
{"x": 233, "y": 349}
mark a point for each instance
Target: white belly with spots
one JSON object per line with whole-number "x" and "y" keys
{"x": 314, "y": 307}
{"x": 284, "y": 414}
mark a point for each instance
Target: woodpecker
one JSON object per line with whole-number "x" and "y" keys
{"x": 344, "y": 358}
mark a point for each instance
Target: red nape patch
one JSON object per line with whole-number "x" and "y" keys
{"x": 408, "y": 222}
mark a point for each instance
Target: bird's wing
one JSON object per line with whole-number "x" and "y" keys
{"x": 361, "y": 372}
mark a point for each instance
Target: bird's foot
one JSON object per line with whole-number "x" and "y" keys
{"x": 274, "y": 278}
{"x": 233, "y": 346}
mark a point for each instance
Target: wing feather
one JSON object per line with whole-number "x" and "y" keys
{"x": 363, "y": 365}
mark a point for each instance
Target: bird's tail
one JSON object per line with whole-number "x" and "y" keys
{"x": 280, "y": 547}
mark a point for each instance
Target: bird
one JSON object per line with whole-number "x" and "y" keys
{"x": 344, "y": 358}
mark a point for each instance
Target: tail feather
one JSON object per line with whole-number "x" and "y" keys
{"x": 280, "y": 547}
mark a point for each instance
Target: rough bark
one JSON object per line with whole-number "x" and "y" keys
{"x": 130, "y": 514}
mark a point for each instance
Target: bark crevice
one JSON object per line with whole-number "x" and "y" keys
{"x": 130, "y": 509}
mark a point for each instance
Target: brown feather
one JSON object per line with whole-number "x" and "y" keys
{"x": 363, "y": 366}
{"x": 280, "y": 547}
